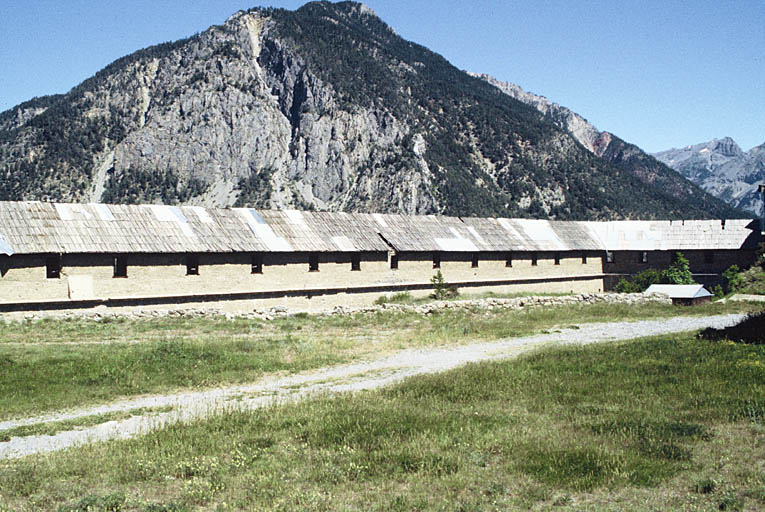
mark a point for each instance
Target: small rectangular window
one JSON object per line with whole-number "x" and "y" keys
{"x": 509, "y": 260}
{"x": 394, "y": 261}
{"x": 257, "y": 264}
{"x": 313, "y": 263}
{"x": 436, "y": 260}
{"x": 709, "y": 257}
{"x": 533, "y": 259}
{"x": 120, "y": 266}
{"x": 53, "y": 267}
{"x": 584, "y": 258}
{"x": 355, "y": 262}
{"x": 474, "y": 261}
{"x": 557, "y": 258}
{"x": 643, "y": 257}
{"x": 192, "y": 264}
{"x": 609, "y": 257}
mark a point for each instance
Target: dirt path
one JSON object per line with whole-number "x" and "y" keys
{"x": 369, "y": 374}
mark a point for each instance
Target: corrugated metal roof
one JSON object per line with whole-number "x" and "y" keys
{"x": 35, "y": 227}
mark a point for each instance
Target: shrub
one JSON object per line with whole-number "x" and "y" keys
{"x": 640, "y": 281}
{"x": 679, "y": 272}
{"x": 396, "y": 298}
{"x": 706, "y": 486}
{"x": 747, "y": 331}
{"x": 441, "y": 289}
{"x": 733, "y": 280}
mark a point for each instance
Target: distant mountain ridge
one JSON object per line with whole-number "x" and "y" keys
{"x": 324, "y": 108}
{"x": 721, "y": 168}
{"x": 622, "y": 155}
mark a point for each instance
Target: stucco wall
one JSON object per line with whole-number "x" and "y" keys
{"x": 24, "y": 278}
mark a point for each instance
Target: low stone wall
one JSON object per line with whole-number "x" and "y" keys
{"x": 514, "y": 303}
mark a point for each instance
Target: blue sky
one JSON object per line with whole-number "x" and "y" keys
{"x": 659, "y": 74}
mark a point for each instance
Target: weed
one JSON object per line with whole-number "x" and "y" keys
{"x": 731, "y": 502}
{"x": 396, "y": 298}
{"x": 93, "y": 502}
{"x": 169, "y": 507}
{"x": 705, "y": 486}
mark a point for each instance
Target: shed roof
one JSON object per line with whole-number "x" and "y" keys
{"x": 30, "y": 227}
{"x": 680, "y": 291}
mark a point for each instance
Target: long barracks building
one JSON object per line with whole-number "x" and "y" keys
{"x": 81, "y": 255}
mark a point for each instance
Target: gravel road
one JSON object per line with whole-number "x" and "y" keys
{"x": 369, "y": 374}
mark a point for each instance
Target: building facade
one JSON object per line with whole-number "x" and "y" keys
{"x": 75, "y": 255}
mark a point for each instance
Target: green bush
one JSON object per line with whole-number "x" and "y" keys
{"x": 733, "y": 279}
{"x": 679, "y": 272}
{"x": 396, "y": 298}
{"x": 640, "y": 281}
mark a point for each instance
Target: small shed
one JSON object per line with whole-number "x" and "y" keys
{"x": 683, "y": 294}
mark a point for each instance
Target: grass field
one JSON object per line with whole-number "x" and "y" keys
{"x": 49, "y": 365}
{"x": 664, "y": 423}
{"x": 669, "y": 423}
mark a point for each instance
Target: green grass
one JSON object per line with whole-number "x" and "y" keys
{"x": 408, "y": 298}
{"x": 45, "y": 369}
{"x": 641, "y": 425}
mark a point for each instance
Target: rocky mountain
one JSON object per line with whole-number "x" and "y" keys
{"x": 327, "y": 108}
{"x": 721, "y": 168}
{"x": 622, "y": 155}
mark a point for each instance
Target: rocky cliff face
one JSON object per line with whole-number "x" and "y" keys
{"x": 587, "y": 135}
{"x": 321, "y": 108}
{"x": 721, "y": 168}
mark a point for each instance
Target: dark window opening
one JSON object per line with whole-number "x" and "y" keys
{"x": 709, "y": 257}
{"x": 474, "y": 261}
{"x": 643, "y": 257}
{"x": 355, "y": 262}
{"x": 257, "y": 264}
{"x": 509, "y": 260}
{"x": 533, "y": 259}
{"x": 584, "y": 258}
{"x": 609, "y": 257}
{"x": 192, "y": 264}
{"x": 120, "y": 266}
{"x": 436, "y": 260}
{"x": 394, "y": 261}
{"x": 53, "y": 267}
{"x": 313, "y": 263}
{"x": 557, "y": 258}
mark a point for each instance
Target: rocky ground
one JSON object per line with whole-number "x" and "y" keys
{"x": 515, "y": 303}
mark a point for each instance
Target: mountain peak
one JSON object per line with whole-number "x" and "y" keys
{"x": 726, "y": 147}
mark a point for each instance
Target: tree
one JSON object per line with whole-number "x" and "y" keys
{"x": 441, "y": 289}
{"x": 679, "y": 272}
{"x": 733, "y": 279}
